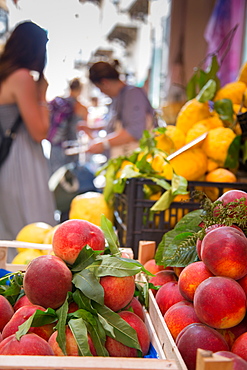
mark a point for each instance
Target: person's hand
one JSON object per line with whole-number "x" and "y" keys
{"x": 95, "y": 147}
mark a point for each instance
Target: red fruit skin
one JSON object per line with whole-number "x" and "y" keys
{"x": 73, "y": 235}
{"x": 117, "y": 349}
{"x": 191, "y": 277}
{"x": 168, "y": 295}
{"x": 20, "y": 316}
{"x": 47, "y": 281}
{"x": 224, "y": 252}
{"x": 196, "y": 336}
{"x": 220, "y": 302}
{"x": 71, "y": 345}
{"x": 152, "y": 267}
{"x": 231, "y": 196}
{"x": 137, "y": 308}
{"x": 234, "y": 332}
{"x": 23, "y": 301}
{"x": 238, "y": 362}
{"x": 118, "y": 291}
{"x": 161, "y": 278}
{"x": 180, "y": 315}
{"x": 240, "y": 346}
{"x": 6, "y": 312}
{"x": 243, "y": 283}
{"x": 29, "y": 344}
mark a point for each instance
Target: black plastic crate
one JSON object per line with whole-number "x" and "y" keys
{"x": 134, "y": 220}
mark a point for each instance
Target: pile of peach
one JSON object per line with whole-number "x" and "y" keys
{"x": 204, "y": 303}
{"x": 47, "y": 284}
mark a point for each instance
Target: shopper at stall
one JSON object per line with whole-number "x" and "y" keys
{"x": 129, "y": 114}
{"x": 66, "y": 130}
{"x": 24, "y": 197}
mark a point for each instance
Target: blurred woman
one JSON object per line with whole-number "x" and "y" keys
{"x": 24, "y": 197}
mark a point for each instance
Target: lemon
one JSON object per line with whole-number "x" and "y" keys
{"x": 218, "y": 175}
{"x": 165, "y": 143}
{"x": 242, "y": 76}
{"x": 177, "y": 136}
{"x": 217, "y": 143}
{"x": 90, "y": 206}
{"x": 192, "y": 112}
{"x": 195, "y": 131}
{"x": 27, "y": 255}
{"x": 233, "y": 91}
{"x": 33, "y": 233}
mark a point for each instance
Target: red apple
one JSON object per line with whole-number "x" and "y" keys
{"x": 6, "y": 310}
{"x": 220, "y": 302}
{"x": 196, "y": 336}
{"x": 29, "y": 344}
{"x": 191, "y": 276}
{"x": 73, "y": 235}
{"x": 118, "y": 291}
{"x": 168, "y": 295}
{"x": 47, "y": 281}
{"x": 224, "y": 252}
{"x": 161, "y": 278}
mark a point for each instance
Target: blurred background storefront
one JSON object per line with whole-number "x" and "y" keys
{"x": 158, "y": 43}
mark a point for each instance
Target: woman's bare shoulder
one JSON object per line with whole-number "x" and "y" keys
{"x": 21, "y": 75}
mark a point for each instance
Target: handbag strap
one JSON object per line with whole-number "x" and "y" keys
{"x": 10, "y": 132}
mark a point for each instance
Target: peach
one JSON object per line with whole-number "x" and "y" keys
{"x": 178, "y": 270}
{"x": 243, "y": 283}
{"x": 191, "y": 276}
{"x": 22, "y": 301}
{"x": 220, "y": 302}
{"x": 47, "y": 281}
{"x": 118, "y": 291}
{"x": 71, "y": 345}
{"x": 117, "y": 349}
{"x": 152, "y": 267}
{"x": 229, "y": 197}
{"x": 29, "y": 344}
{"x": 73, "y": 235}
{"x": 137, "y": 308}
{"x": 6, "y": 310}
{"x": 178, "y": 316}
{"x": 240, "y": 346}
{"x": 238, "y": 362}
{"x": 196, "y": 336}
{"x": 20, "y": 316}
{"x": 161, "y": 278}
{"x": 224, "y": 252}
{"x": 168, "y": 295}
{"x": 233, "y": 333}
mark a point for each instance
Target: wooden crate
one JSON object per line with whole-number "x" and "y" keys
{"x": 161, "y": 339}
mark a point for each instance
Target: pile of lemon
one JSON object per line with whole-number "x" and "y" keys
{"x": 37, "y": 232}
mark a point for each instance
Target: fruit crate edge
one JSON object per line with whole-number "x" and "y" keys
{"x": 134, "y": 221}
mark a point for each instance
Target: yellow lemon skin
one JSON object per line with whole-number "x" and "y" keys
{"x": 33, "y": 233}
{"x": 90, "y": 206}
{"x": 242, "y": 75}
{"x": 217, "y": 143}
{"x": 191, "y": 164}
{"x": 192, "y": 112}
{"x": 195, "y": 131}
{"x": 218, "y": 175}
{"x": 26, "y": 256}
{"x": 233, "y": 91}
{"x": 165, "y": 143}
{"x": 176, "y": 135}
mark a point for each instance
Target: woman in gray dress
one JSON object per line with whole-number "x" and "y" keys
{"x": 24, "y": 193}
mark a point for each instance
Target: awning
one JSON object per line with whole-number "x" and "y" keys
{"x": 139, "y": 10}
{"x": 122, "y": 33}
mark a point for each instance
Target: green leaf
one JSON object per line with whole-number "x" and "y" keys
{"x": 79, "y": 331}
{"x": 207, "y": 92}
{"x": 244, "y": 151}
{"x": 179, "y": 185}
{"x": 119, "y": 267}
{"x": 62, "y": 320}
{"x": 175, "y": 254}
{"x": 163, "y": 202}
{"x": 232, "y": 158}
{"x": 82, "y": 301}
{"x": 191, "y": 88}
{"x": 86, "y": 281}
{"x": 85, "y": 258}
{"x": 225, "y": 110}
{"x": 98, "y": 337}
{"x": 110, "y": 235}
{"x": 123, "y": 332}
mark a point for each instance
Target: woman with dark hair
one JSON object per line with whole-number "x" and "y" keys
{"x": 130, "y": 112}
{"x": 24, "y": 197}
